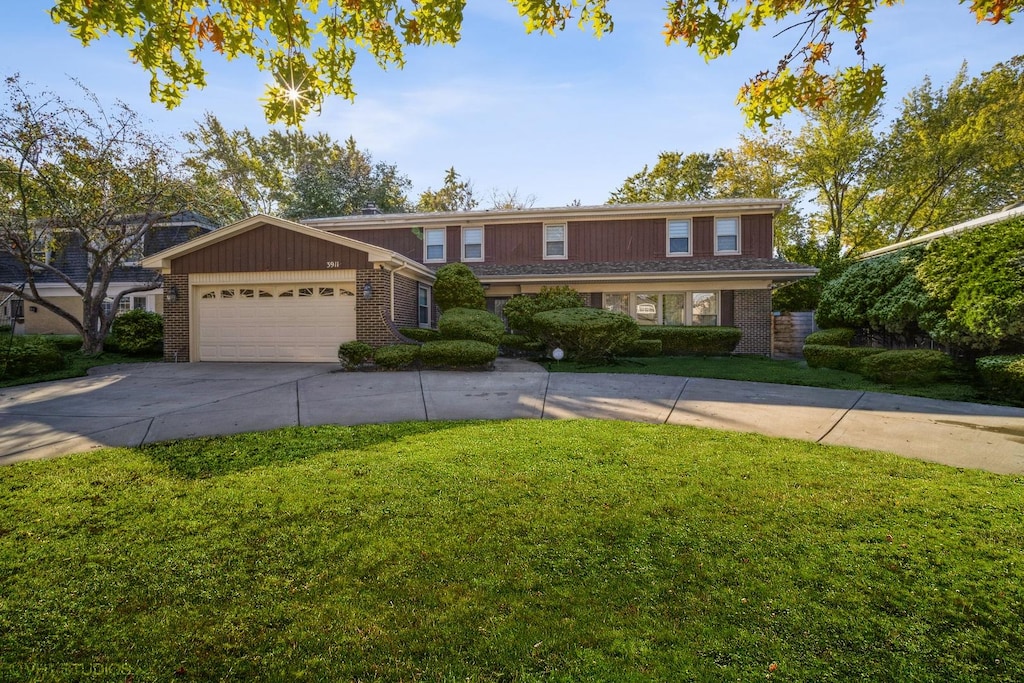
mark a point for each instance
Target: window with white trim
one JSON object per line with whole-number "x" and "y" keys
{"x": 668, "y": 308}
{"x": 423, "y": 305}
{"x": 727, "y": 235}
{"x": 678, "y": 238}
{"x": 433, "y": 245}
{"x": 472, "y": 244}
{"x": 555, "y": 241}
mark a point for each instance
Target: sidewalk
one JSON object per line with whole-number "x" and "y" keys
{"x": 130, "y": 405}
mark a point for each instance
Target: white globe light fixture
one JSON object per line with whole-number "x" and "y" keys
{"x": 558, "y": 354}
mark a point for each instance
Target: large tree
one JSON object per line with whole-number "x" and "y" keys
{"x": 310, "y": 46}
{"x": 675, "y": 177}
{"x": 455, "y": 194}
{"x": 80, "y": 179}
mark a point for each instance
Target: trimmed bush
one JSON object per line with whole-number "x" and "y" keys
{"x": 836, "y": 336}
{"x": 644, "y": 348}
{"x": 837, "y": 357}
{"x": 907, "y": 366}
{"x": 457, "y": 287}
{"x": 587, "y": 334}
{"x": 520, "y": 309}
{"x": 469, "y": 323}
{"x": 1003, "y": 375}
{"x": 27, "y": 356}
{"x": 677, "y": 340}
{"x": 66, "y": 342}
{"x": 397, "y": 356}
{"x": 420, "y": 334}
{"x": 138, "y": 332}
{"x": 458, "y": 353}
{"x": 520, "y": 344}
{"x": 354, "y": 353}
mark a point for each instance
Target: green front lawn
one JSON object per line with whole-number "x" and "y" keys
{"x": 514, "y": 550}
{"x": 759, "y": 369}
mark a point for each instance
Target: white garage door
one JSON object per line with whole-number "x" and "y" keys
{"x": 298, "y": 323}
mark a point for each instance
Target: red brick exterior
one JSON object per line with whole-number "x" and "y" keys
{"x": 406, "y": 302}
{"x": 176, "y": 322}
{"x": 370, "y": 328}
{"x": 752, "y": 313}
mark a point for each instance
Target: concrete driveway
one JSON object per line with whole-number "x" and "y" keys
{"x": 130, "y": 405}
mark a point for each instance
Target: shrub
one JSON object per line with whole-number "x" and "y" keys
{"x": 520, "y": 344}
{"x": 469, "y": 323}
{"x": 396, "y": 356}
{"x": 354, "y": 353}
{"x": 420, "y": 334}
{"x": 836, "y": 336}
{"x": 458, "y": 353}
{"x": 520, "y": 309}
{"x": 1003, "y": 374}
{"x": 644, "y": 348}
{"x": 909, "y": 366}
{"x": 587, "y": 333}
{"x": 457, "y": 287}
{"x": 66, "y": 342}
{"x": 27, "y": 356}
{"x": 138, "y": 332}
{"x": 837, "y": 357}
{"x": 677, "y": 340}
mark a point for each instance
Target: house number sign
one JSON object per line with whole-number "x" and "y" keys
{"x": 334, "y": 264}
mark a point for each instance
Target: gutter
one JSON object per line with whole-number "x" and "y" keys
{"x": 657, "y": 277}
{"x": 1012, "y": 211}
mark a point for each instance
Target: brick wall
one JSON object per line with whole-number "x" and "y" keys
{"x": 752, "y": 313}
{"x": 406, "y": 302}
{"x": 369, "y": 326}
{"x": 176, "y": 337}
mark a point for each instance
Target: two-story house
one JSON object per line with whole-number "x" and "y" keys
{"x": 269, "y": 289}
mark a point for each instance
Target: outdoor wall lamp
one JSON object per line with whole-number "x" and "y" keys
{"x": 367, "y": 291}
{"x": 171, "y": 294}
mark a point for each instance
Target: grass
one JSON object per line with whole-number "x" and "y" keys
{"x": 508, "y": 551}
{"x": 759, "y": 369}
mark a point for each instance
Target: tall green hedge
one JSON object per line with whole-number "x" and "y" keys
{"x": 1003, "y": 375}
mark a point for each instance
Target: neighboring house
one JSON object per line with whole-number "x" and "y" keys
{"x": 270, "y": 289}
{"x": 72, "y": 260}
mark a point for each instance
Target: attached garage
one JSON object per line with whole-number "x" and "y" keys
{"x": 301, "y": 322}
{"x": 269, "y": 290}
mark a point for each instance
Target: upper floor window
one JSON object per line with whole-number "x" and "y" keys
{"x": 679, "y": 238}
{"x": 433, "y": 245}
{"x": 554, "y": 241}
{"x": 472, "y": 244}
{"x": 727, "y": 235}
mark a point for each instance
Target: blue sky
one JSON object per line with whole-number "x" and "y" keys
{"x": 560, "y": 118}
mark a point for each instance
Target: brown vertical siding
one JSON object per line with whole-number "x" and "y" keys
{"x": 726, "y": 307}
{"x": 268, "y": 248}
{"x": 703, "y": 237}
{"x": 453, "y": 250}
{"x": 514, "y": 244}
{"x": 617, "y": 240}
{"x": 406, "y": 241}
{"x": 756, "y": 235}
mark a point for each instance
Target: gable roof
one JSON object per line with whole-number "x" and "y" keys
{"x": 562, "y": 213}
{"x": 1006, "y": 214}
{"x": 375, "y": 254}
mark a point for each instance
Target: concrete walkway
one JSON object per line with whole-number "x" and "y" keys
{"x": 130, "y": 405}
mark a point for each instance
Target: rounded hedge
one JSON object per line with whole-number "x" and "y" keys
{"x": 645, "y": 348}
{"x": 457, "y": 287}
{"x": 908, "y": 366}
{"x": 836, "y": 336}
{"x": 354, "y": 353}
{"x": 397, "y": 356}
{"x": 420, "y": 334}
{"x": 458, "y": 353}
{"x": 27, "y": 356}
{"x": 1003, "y": 375}
{"x": 520, "y": 309}
{"x": 837, "y": 357}
{"x": 677, "y": 340}
{"x": 469, "y": 323}
{"x": 586, "y": 334}
{"x": 138, "y": 332}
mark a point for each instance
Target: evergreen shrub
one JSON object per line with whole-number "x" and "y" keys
{"x": 679, "y": 340}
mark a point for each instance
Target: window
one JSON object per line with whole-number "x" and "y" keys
{"x": 554, "y": 241}
{"x": 41, "y": 243}
{"x": 616, "y": 303}
{"x": 646, "y": 308}
{"x": 674, "y": 309}
{"x": 727, "y": 235}
{"x": 679, "y": 238}
{"x": 423, "y": 304}
{"x": 472, "y": 244}
{"x": 704, "y": 309}
{"x": 669, "y": 308}
{"x": 433, "y": 245}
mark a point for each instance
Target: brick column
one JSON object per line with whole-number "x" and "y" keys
{"x": 176, "y": 322}
{"x": 752, "y": 313}
{"x": 369, "y": 326}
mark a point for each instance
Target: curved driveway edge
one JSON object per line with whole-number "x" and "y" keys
{"x": 131, "y": 405}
